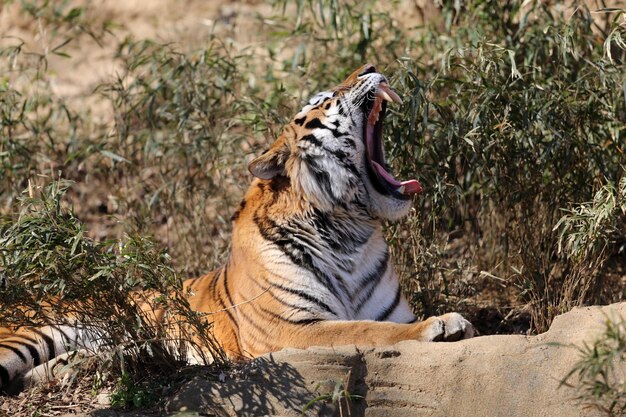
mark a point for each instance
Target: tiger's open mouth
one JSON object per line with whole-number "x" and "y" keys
{"x": 377, "y": 168}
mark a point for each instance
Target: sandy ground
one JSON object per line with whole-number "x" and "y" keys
{"x": 187, "y": 23}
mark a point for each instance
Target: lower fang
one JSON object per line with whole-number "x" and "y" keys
{"x": 400, "y": 189}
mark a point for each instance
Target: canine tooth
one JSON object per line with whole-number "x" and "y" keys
{"x": 385, "y": 92}
{"x": 386, "y": 96}
{"x": 400, "y": 189}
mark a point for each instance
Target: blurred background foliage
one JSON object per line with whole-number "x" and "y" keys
{"x": 514, "y": 120}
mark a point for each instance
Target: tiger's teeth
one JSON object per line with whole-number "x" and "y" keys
{"x": 400, "y": 189}
{"x": 386, "y": 93}
{"x": 386, "y": 96}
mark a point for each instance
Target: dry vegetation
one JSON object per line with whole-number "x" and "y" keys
{"x": 125, "y": 128}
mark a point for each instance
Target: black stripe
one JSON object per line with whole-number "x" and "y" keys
{"x": 257, "y": 341}
{"x": 378, "y": 273}
{"x": 323, "y": 178}
{"x": 387, "y": 312}
{"x": 304, "y": 295}
{"x": 341, "y": 109}
{"x": 4, "y": 377}
{"x": 256, "y": 282}
{"x": 214, "y": 281}
{"x": 14, "y": 350}
{"x": 305, "y": 322}
{"x": 349, "y": 141}
{"x": 337, "y": 237}
{"x": 337, "y": 134}
{"x": 299, "y": 233}
{"x": 33, "y": 348}
{"x": 298, "y": 322}
{"x": 242, "y": 205}
{"x": 300, "y": 121}
{"x": 313, "y": 139}
{"x": 327, "y": 282}
{"x": 49, "y": 342}
{"x": 253, "y": 323}
{"x": 69, "y": 343}
{"x": 292, "y": 306}
{"x": 235, "y": 325}
{"x": 342, "y": 285}
{"x": 225, "y": 309}
{"x": 34, "y": 353}
{"x": 370, "y": 282}
{"x": 299, "y": 254}
{"x": 345, "y": 162}
{"x": 229, "y": 298}
{"x": 218, "y": 297}
{"x": 321, "y": 175}
{"x": 315, "y": 124}
{"x": 340, "y": 155}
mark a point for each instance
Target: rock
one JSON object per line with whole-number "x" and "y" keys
{"x": 280, "y": 384}
{"x": 103, "y": 399}
{"x": 509, "y": 376}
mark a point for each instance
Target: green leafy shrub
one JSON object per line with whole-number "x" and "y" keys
{"x": 597, "y": 381}
{"x": 525, "y": 122}
{"x": 129, "y": 394}
{"x": 65, "y": 21}
{"x": 52, "y": 273}
{"x": 513, "y": 112}
{"x": 588, "y": 234}
{"x": 178, "y": 145}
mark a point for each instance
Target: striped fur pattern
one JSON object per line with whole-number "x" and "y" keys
{"x": 308, "y": 265}
{"x": 28, "y": 348}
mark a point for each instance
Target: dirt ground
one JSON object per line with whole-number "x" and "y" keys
{"x": 187, "y": 23}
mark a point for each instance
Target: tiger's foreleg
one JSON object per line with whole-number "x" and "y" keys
{"x": 449, "y": 327}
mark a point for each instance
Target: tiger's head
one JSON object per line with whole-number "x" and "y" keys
{"x": 332, "y": 150}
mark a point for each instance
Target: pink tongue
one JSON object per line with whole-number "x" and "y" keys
{"x": 410, "y": 186}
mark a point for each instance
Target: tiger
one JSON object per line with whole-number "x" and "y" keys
{"x": 308, "y": 262}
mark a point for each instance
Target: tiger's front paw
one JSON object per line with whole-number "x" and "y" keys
{"x": 449, "y": 328}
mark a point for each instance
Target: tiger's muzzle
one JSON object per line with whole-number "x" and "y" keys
{"x": 374, "y": 108}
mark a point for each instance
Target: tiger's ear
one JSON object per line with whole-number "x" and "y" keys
{"x": 272, "y": 162}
